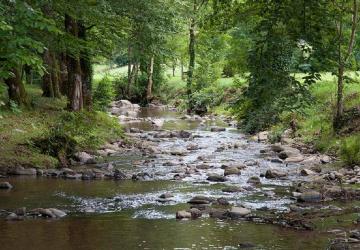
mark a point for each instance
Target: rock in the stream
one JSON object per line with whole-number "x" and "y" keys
{"x": 22, "y": 171}
{"x": 14, "y": 217}
{"x": 277, "y": 148}
{"x": 263, "y": 136}
{"x": 217, "y": 129}
{"x": 307, "y": 172}
{"x": 289, "y": 152}
{"x": 119, "y": 175}
{"x": 222, "y": 201}
{"x": 195, "y": 213}
{"x": 232, "y": 171}
{"x": 200, "y": 200}
{"x": 5, "y": 185}
{"x": 183, "y": 215}
{"x": 274, "y": 174}
{"x": 294, "y": 159}
{"x": 84, "y": 158}
{"x": 192, "y": 147}
{"x": 216, "y": 178}
{"x": 310, "y": 196}
{"x": 218, "y": 213}
{"x": 203, "y": 166}
{"x": 184, "y": 134}
{"x": 166, "y": 196}
{"x": 254, "y": 180}
{"x": 232, "y": 189}
{"x": 51, "y": 213}
{"x": 236, "y": 212}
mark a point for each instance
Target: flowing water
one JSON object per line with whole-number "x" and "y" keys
{"x": 108, "y": 214}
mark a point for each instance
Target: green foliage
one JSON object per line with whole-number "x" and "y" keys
{"x": 74, "y": 131}
{"x": 350, "y": 150}
{"x": 104, "y": 94}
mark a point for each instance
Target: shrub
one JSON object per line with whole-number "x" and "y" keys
{"x": 75, "y": 131}
{"x": 103, "y": 94}
{"x": 350, "y": 150}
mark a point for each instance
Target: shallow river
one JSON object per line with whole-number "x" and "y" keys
{"x": 108, "y": 214}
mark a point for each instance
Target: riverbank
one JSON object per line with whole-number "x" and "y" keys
{"x": 45, "y": 135}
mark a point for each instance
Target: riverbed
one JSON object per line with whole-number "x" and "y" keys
{"x": 128, "y": 214}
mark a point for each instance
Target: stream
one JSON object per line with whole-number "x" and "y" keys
{"x": 128, "y": 214}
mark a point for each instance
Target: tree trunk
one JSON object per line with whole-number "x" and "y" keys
{"x": 63, "y": 75}
{"x": 28, "y": 74}
{"x": 173, "y": 69}
{"x": 47, "y": 84}
{"x": 182, "y": 71}
{"x": 86, "y": 69}
{"x": 191, "y": 62}
{"x": 133, "y": 77}
{"x": 16, "y": 88}
{"x": 129, "y": 80}
{"x": 55, "y": 75}
{"x": 75, "y": 85}
{"x": 342, "y": 61}
{"x": 150, "y": 80}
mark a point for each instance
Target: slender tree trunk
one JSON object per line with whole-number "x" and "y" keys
{"x": 173, "y": 69}
{"x": 28, "y": 74}
{"x": 182, "y": 71}
{"x": 55, "y": 75}
{"x": 16, "y": 88}
{"x": 86, "y": 69}
{"x": 75, "y": 85}
{"x": 150, "y": 80}
{"x": 129, "y": 80}
{"x": 342, "y": 60}
{"x": 133, "y": 77}
{"x": 191, "y": 62}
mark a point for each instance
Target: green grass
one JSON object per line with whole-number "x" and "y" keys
{"x": 20, "y": 129}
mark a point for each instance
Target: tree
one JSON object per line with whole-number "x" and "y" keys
{"x": 345, "y": 48}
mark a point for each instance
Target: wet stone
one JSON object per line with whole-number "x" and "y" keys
{"x": 166, "y": 196}
{"x": 217, "y": 129}
{"x": 310, "y": 196}
{"x": 254, "y": 180}
{"x": 232, "y": 171}
{"x": 216, "y": 178}
{"x": 183, "y": 215}
{"x": 232, "y": 189}
{"x": 274, "y": 174}
{"x": 5, "y": 185}
{"x": 236, "y": 212}
{"x": 200, "y": 200}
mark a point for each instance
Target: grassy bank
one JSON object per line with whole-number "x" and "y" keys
{"x": 30, "y": 136}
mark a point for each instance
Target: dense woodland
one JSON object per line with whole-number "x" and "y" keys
{"x": 272, "y": 64}
{"x": 179, "y": 124}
